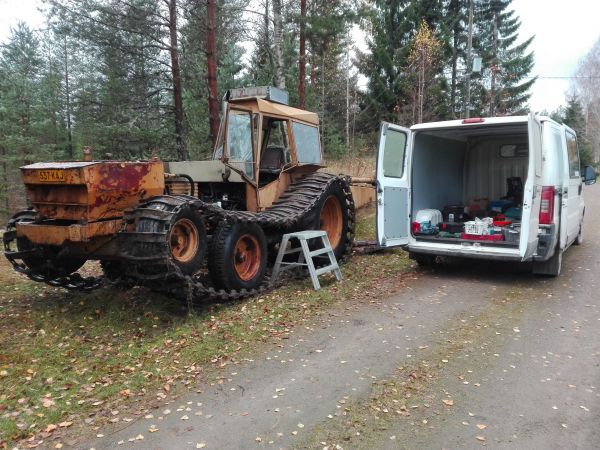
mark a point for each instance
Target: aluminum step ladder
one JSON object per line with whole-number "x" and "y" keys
{"x": 306, "y": 255}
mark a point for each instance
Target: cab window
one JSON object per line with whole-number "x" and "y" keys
{"x": 308, "y": 146}
{"x": 275, "y": 149}
{"x": 239, "y": 140}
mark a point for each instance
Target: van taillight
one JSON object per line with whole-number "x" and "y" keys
{"x": 547, "y": 205}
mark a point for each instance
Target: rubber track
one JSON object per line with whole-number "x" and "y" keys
{"x": 147, "y": 253}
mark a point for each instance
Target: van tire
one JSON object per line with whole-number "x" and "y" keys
{"x": 579, "y": 238}
{"x": 552, "y": 266}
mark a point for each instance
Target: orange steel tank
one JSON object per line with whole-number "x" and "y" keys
{"x": 77, "y": 201}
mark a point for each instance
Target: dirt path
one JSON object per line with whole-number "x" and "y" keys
{"x": 516, "y": 359}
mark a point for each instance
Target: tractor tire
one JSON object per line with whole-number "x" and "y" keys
{"x": 238, "y": 256}
{"x": 185, "y": 238}
{"x": 332, "y": 214}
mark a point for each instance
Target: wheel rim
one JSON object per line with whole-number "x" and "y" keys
{"x": 184, "y": 240}
{"x": 247, "y": 257}
{"x": 332, "y": 220}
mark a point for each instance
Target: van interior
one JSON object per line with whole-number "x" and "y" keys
{"x": 474, "y": 177}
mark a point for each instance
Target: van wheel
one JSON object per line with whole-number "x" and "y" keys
{"x": 579, "y": 238}
{"x": 551, "y": 267}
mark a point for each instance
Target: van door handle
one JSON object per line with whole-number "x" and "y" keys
{"x": 580, "y": 188}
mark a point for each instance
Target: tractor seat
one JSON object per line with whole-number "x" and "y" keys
{"x": 272, "y": 159}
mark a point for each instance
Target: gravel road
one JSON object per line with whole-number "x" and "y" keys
{"x": 514, "y": 359}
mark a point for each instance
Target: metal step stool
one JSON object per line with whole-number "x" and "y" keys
{"x": 306, "y": 255}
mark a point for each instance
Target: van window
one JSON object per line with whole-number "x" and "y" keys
{"x": 514, "y": 151}
{"x": 393, "y": 154}
{"x": 573, "y": 153}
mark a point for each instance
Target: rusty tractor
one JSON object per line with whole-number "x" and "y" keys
{"x": 200, "y": 228}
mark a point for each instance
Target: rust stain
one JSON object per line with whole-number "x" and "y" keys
{"x": 89, "y": 192}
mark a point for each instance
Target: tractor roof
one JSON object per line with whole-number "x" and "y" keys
{"x": 265, "y": 106}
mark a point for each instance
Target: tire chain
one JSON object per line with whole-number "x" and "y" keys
{"x": 72, "y": 282}
{"x": 285, "y": 214}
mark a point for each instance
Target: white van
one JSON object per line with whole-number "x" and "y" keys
{"x": 470, "y": 165}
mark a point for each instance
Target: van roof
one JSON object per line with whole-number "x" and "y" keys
{"x": 459, "y": 123}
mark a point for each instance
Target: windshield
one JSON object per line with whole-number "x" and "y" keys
{"x": 239, "y": 140}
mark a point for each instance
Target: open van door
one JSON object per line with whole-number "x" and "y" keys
{"x": 393, "y": 186}
{"x": 532, "y": 191}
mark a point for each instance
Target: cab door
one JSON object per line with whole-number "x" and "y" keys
{"x": 393, "y": 185}
{"x": 532, "y": 191}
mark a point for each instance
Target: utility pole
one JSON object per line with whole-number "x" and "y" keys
{"x": 469, "y": 63}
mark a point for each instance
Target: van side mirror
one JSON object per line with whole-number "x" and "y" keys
{"x": 589, "y": 175}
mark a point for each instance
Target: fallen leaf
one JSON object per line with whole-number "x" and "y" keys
{"x": 201, "y": 445}
{"x": 258, "y": 439}
{"x": 47, "y": 402}
{"x": 480, "y": 438}
{"x": 65, "y": 424}
{"x": 184, "y": 417}
{"x": 59, "y": 445}
{"x": 50, "y": 428}
{"x": 448, "y": 402}
{"x": 481, "y": 426}
{"x": 152, "y": 429}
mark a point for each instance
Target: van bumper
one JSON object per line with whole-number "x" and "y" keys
{"x": 547, "y": 239}
{"x": 461, "y": 251}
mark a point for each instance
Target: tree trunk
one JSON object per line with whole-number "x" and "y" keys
{"x": 302, "y": 59}
{"x": 211, "y": 61}
{"x": 182, "y": 153}
{"x": 278, "y": 44}
{"x": 68, "y": 100}
{"x": 313, "y": 53}
{"x": 455, "y": 43}
{"x": 494, "y": 69}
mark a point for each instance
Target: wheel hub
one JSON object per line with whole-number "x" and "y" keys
{"x": 332, "y": 220}
{"x": 184, "y": 240}
{"x": 247, "y": 257}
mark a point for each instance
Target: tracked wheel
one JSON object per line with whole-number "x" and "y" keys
{"x": 238, "y": 256}
{"x": 334, "y": 215}
{"x": 185, "y": 239}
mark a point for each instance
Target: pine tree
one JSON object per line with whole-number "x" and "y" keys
{"x": 393, "y": 25}
{"x": 573, "y": 116}
{"x": 503, "y": 86}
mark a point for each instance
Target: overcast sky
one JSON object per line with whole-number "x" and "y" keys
{"x": 564, "y": 33}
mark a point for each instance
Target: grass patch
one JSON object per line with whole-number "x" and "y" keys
{"x": 69, "y": 357}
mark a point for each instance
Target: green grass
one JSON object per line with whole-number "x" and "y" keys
{"x": 64, "y": 356}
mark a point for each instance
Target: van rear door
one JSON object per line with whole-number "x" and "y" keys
{"x": 532, "y": 191}
{"x": 393, "y": 185}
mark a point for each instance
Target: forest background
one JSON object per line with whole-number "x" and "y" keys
{"x": 134, "y": 78}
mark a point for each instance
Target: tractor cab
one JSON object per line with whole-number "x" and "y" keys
{"x": 261, "y": 137}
